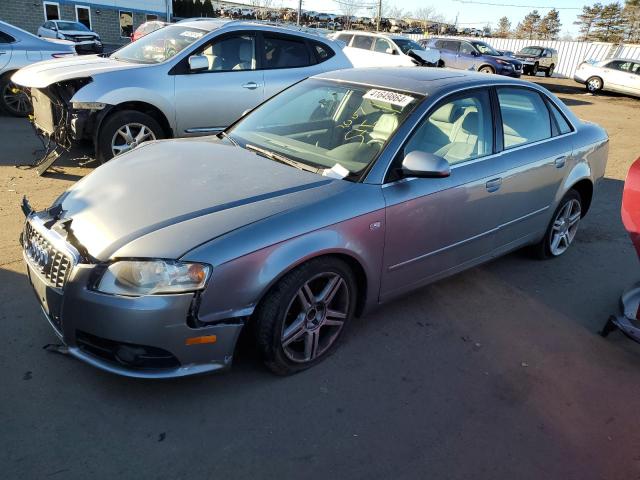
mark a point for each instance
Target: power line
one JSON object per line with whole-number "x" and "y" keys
{"x": 516, "y": 5}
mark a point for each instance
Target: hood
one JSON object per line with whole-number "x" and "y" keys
{"x": 524, "y": 55}
{"x": 42, "y": 74}
{"x": 511, "y": 60}
{"x": 173, "y": 184}
{"x": 429, "y": 55}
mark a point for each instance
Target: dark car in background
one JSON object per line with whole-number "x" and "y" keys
{"x": 474, "y": 55}
{"x": 538, "y": 59}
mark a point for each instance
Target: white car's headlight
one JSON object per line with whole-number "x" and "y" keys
{"x": 149, "y": 277}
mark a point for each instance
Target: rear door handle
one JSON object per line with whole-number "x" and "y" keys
{"x": 251, "y": 85}
{"x": 560, "y": 161}
{"x": 493, "y": 185}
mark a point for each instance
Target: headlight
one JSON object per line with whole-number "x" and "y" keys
{"x": 88, "y": 105}
{"x": 149, "y": 277}
{"x": 503, "y": 62}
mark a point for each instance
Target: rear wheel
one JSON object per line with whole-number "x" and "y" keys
{"x": 563, "y": 227}
{"x": 13, "y": 99}
{"x": 594, "y": 84}
{"x": 299, "y": 322}
{"x": 550, "y": 70}
{"x": 124, "y": 131}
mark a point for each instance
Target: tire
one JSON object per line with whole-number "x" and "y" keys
{"x": 549, "y": 71}
{"x": 534, "y": 69}
{"x": 16, "y": 104}
{"x": 312, "y": 334}
{"x": 594, "y": 84}
{"x": 569, "y": 209}
{"x": 119, "y": 120}
{"x": 486, "y": 69}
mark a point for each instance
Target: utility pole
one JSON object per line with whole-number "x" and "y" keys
{"x": 379, "y": 15}
{"x": 299, "y": 11}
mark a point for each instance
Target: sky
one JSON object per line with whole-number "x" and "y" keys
{"x": 473, "y": 15}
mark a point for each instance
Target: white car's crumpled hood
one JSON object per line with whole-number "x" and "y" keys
{"x": 42, "y": 74}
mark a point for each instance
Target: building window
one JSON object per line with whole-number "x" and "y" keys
{"x": 51, "y": 11}
{"x": 126, "y": 24}
{"x": 151, "y": 17}
{"x": 83, "y": 15}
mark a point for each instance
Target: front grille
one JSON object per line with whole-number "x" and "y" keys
{"x": 45, "y": 258}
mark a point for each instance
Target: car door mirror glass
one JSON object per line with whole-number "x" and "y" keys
{"x": 425, "y": 165}
{"x": 198, "y": 63}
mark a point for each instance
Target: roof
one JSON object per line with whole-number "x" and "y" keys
{"x": 213, "y": 24}
{"x": 420, "y": 80}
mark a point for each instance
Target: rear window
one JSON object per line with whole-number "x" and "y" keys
{"x": 6, "y": 38}
{"x": 525, "y": 118}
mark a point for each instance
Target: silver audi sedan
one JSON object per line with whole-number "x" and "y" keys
{"x": 341, "y": 193}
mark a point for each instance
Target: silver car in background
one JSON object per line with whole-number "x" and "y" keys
{"x": 615, "y": 74}
{"x": 19, "y": 49}
{"x": 343, "y": 192}
{"x": 186, "y": 79}
{"x": 85, "y": 40}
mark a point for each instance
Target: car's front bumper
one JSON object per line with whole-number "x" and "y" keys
{"x": 144, "y": 337}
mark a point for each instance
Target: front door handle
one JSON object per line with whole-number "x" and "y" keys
{"x": 493, "y": 185}
{"x": 251, "y": 85}
{"x": 560, "y": 161}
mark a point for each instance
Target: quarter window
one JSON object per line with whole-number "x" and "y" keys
{"x": 525, "y": 118}
{"x": 561, "y": 122}
{"x": 345, "y": 37}
{"x": 126, "y": 24}
{"x": 459, "y": 130}
{"x": 232, "y": 53}
{"x": 281, "y": 52}
{"x": 323, "y": 52}
{"x": 6, "y": 38}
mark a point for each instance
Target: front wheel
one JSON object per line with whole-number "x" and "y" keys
{"x": 13, "y": 99}
{"x": 563, "y": 227}
{"x": 124, "y": 131}
{"x": 299, "y": 322}
{"x": 486, "y": 69}
{"x": 594, "y": 84}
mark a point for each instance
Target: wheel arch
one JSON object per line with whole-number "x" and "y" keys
{"x": 487, "y": 65}
{"x": 139, "y": 106}
{"x": 585, "y": 188}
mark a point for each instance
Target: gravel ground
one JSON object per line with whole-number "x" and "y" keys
{"x": 495, "y": 373}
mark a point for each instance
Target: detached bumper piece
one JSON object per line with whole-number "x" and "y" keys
{"x": 628, "y": 322}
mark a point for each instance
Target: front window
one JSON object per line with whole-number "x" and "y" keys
{"x": 160, "y": 45}
{"x": 333, "y": 129}
{"x": 486, "y": 49}
{"x": 70, "y": 26}
{"x": 405, "y": 45}
{"x": 531, "y": 51}
{"x": 232, "y": 53}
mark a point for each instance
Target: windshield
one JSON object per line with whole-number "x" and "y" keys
{"x": 406, "y": 45}
{"x": 531, "y": 51}
{"x": 68, "y": 26}
{"x": 333, "y": 128}
{"x": 485, "y": 49}
{"x": 159, "y": 45}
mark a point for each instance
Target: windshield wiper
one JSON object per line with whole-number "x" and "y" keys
{"x": 228, "y": 137}
{"x": 281, "y": 158}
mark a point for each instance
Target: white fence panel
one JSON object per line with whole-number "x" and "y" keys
{"x": 570, "y": 54}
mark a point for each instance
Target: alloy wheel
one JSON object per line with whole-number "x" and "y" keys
{"x": 16, "y": 100}
{"x": 315, "y": 316}
{"x": 565, "y": 226}
{"x": 129, "y": 136}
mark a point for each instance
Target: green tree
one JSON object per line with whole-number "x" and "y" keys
{"x": 632, "y": 21}
{"x": 587, "y": 21}
{"x": 504, "y": 28}
{"x": 610, "y": 24}
{"x": 528, "y": 28}
{"x": 207, "y": 9}
{"x": 550, "y": 25}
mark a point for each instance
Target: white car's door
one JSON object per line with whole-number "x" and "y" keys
{"x": 209, "y": 100}
{"x": 616, "y": 75}
{"x": 634, "y": 78}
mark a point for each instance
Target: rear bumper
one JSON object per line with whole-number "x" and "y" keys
{"x": 141, "y": 337}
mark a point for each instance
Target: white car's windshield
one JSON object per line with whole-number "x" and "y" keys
{"x": 406, "y": 45}
{"x": 160, "y": 45}
{"x": 70, "y": 26}
{"x": 333, "y": 129}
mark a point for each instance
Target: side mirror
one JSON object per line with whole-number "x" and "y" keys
{"x": 425, "y": 165}
{"x": 197, "y": 63}
{"x": 475, "y": 54}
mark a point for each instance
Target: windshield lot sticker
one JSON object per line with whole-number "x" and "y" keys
{"x": 337, "y": 171}
{"x": 192, "y": 34}
{"x": 392, "y": 98}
